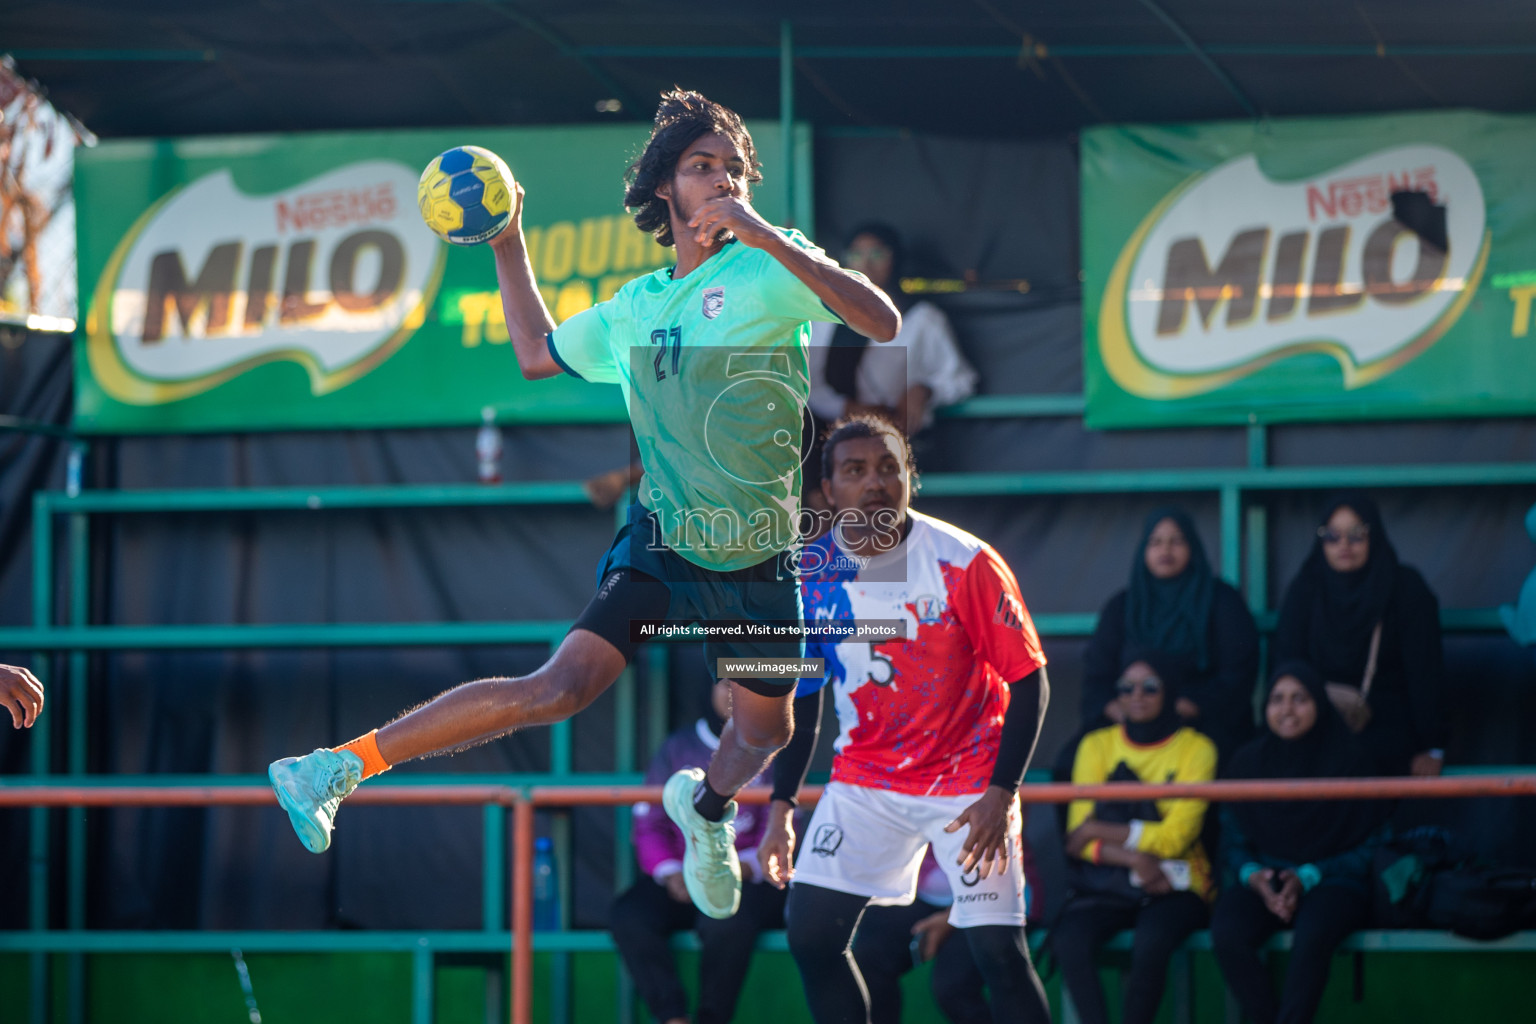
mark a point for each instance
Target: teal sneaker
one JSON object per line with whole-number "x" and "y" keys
{"x": 711, "y": 869}
{"x": 310, "y": 788}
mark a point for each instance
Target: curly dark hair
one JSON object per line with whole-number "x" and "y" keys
{"x": 681, "y": 118}
{"x": 850, "y": 428}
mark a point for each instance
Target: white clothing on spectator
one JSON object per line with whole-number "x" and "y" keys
{"x": 932, "y": 359}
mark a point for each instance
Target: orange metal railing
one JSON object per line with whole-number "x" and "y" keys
{"x": 525, "y": 802}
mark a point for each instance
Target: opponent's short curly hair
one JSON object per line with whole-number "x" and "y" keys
{"x": 681, "y": 118}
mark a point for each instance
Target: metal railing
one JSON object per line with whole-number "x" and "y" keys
{"x": 522, "y": 940}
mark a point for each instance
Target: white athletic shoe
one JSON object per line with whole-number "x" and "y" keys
{"x": 711, "y": 869}
{"x": 310, "y": 788}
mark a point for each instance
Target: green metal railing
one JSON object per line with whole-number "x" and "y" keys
{"x": 521, "y": 940}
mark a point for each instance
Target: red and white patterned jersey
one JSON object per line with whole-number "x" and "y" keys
{"x": 922, "y": 715}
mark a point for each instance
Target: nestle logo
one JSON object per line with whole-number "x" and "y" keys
{"x": 1370, "y": 193}
{"x": 337, "y": 208}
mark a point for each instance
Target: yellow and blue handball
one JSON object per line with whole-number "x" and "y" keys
{"x": 465, "y": 195}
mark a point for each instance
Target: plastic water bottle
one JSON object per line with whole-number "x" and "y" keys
{"x": 546, "y": 887}
{"x": 488, "y": 447}
{"x": 72, "y": 471}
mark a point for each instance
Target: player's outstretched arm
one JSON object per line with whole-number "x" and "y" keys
{"x": 20, "y": 694}
{"x": 528, "y": 320}
{"x": 861, "y": 305}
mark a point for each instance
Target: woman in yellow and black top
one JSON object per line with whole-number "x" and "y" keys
{"x": 1135, "y": 864}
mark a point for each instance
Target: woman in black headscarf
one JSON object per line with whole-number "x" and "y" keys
{"x": 1294, "y": 863}
{"x": 1371, "y": 626}
{"x": 1137, "y": 864}
{"x": 1176, "y": 606}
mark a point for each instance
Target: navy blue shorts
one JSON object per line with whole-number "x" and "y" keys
{"x": 640, "y": 578}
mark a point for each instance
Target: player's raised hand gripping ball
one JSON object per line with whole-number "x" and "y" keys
{"x": 465, "y": 195}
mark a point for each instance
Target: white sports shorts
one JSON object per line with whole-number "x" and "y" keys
{"x": 870, "y": 842}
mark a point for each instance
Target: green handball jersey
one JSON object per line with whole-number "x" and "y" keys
{"x": 715, "y": 378}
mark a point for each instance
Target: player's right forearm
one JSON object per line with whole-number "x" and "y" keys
{"x": 528, "y": 320}
{"x": 1027, "y": 702}
{"x": 860, "y": 305}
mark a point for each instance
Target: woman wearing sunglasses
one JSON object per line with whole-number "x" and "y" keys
{"x": 1371, "y": 626}
{"x": 1291, "y": 863}
{"x": 1139, "y": 864}
{"x": 1174, "y": 604}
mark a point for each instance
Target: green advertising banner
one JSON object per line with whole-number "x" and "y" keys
{"x": 1347, "y": 268}
{"x": 288, "y": 282}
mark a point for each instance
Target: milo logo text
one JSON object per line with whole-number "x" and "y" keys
{"x": 1234, "y": 272}
{"x": 332, "y": 274}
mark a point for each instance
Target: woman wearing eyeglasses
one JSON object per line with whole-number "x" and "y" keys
{"x": 1371, "y": 627}
{"x": 1298, "y": 864}
{"x": 1175, "y": 604}
{"x": 1140, "y": 864}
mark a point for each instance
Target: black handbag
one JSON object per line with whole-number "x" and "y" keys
{"x": 1422, "y": 883}
{"x": 1482, "y": 901}
{"x": 1108, "y": 879}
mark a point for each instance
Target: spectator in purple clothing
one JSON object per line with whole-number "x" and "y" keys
{"x": 649, "y": 912}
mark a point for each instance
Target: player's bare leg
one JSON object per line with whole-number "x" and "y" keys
{"x": 310, "y": 788}
{"x": 700, "y": 803}
{"x": 758, "y": 728}
{"x": 582, "y": 667}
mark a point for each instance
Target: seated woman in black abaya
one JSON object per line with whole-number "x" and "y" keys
{"x": 1371, "y": 627}
{"x": 1294, "y": 864}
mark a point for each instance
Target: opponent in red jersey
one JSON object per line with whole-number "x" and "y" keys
{"x": 935, "y": 733}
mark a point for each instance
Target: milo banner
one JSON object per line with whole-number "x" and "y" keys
{"x": 276, "y": 282}
{"x": 1349, "y": 268}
